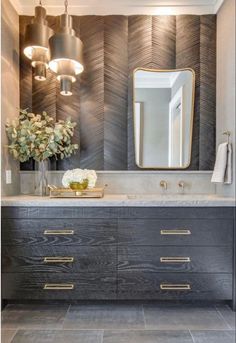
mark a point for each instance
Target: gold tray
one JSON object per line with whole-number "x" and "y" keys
{"x": 56, "y": 192}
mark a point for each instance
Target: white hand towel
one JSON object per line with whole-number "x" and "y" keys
{"x": 222, "y": 170}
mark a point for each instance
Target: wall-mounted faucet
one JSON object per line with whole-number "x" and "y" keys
{"x": 181, "y": 185}
{"x": 163, "y": 184}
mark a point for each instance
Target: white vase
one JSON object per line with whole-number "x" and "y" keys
{"x": 41, "y": 177}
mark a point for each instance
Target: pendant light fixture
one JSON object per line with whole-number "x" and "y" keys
{"x": 66, "y": 53}
{"x": 36, "y": 49}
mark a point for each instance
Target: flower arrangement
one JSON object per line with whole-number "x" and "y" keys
{"x": 79, "y": 177}
{"x": 39, "y": 137}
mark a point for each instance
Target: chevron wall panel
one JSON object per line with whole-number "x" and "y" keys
{"x": 92, "y": 93}
{"x": 140, "y": 55}
{"x": 163, "y": 42}
{"x": 207, "y": 120}
{"x": 25, "y": 79}
{"x": 115, "y": 92}
{"x": 70, "y": 107}
{"x": 188, "y": 55}
{"x": 102, "y": 101}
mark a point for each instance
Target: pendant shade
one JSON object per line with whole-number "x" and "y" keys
{"x": 66, "y": 54}
{"x": 36, "y": 49}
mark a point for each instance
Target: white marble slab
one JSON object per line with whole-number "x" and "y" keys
{"x": 122, "y": 200}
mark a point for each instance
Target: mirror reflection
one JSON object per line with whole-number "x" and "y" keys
{"x": 163, "y": 118}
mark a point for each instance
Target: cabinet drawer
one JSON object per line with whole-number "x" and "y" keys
{"x": 137, "y": 285}
{"x": 176, "y": 259}
{"x": 57, "y": 259}
{"x": 208, "y": 232}
{"x": 58, "y": 286}
{"x": 61, "y": 232}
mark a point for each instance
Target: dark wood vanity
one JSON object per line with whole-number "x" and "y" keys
{"x": 118, "y": 253}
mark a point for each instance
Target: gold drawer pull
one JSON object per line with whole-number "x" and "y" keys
{"x": 58, "y": 286}
{"x": 176, "y": 232}
{"x": 175, "y": 259}
{"x": 58, "y": 259}
{"x": 58, "y": 232}
{"x": 175, "y": 287}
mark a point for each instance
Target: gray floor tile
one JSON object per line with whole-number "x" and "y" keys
{"x": 58, "y": 336}
{"x": 34, "y": 336}
{"x": 213, "y": 336}
{"x": 34, "y": 317}
{"x": 107, "y": 316}
{"x": 228, "y": 315}
{"x": 183, "y": 318}
{"x": 147, "y": 336}
{"x": 76, "y": 336}
{"x": 7, "y": 335}
{"x": 35, "y": 307}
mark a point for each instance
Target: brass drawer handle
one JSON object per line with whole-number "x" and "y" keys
{"x": 58, "y": 232}
{"x": 58, "y": 259}
{"x": 175, "y": 287}
{"x": 175, "y": 259}
{"x": 58, "y": 286}
{"x": 176, "y": 232}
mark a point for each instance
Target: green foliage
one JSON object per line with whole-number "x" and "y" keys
{"x": 37, "y": 136}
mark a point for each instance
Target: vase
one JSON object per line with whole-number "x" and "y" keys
{"x": 41, "y": 177}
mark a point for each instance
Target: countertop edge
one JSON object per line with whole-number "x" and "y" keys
{"x": 113, "y": 202}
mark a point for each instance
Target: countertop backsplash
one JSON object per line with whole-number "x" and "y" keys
{"x": 135, "y": 182}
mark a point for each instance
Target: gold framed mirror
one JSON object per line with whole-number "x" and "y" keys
{"x": 163, "y": 111}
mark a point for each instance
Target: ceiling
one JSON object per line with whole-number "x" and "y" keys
{"x": 126, "y": 7}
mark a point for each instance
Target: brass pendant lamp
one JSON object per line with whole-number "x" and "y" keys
{"x": 66, "y": 54}
{"x": 36, "y": 49}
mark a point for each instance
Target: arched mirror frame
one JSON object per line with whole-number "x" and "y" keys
{"x": 187, "y": 165}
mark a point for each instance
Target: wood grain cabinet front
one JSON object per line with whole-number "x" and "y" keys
{"x": 118, "y": 253}
{"x": 79, "y": 286}
{"x": 147, "y": 285}
{"x": 179, "y": 231}
{"x": 68, "y": 259}
{"x": 61, "y": 232}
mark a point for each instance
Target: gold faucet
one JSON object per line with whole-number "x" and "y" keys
{"x": 163, "y": 184}
{"x": 181, "y": 185}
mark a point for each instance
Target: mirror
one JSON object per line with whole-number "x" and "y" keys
{"x": 163, "y": 117}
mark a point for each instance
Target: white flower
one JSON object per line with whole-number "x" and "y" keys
{"x": 79, "y": 175}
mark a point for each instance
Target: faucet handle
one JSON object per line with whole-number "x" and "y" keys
{"x": 181, "y": 185}
{"x": 163, "y": 184}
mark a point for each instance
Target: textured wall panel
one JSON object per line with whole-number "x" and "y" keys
{"x": 207, "y": 120}
{"x": 163, "y": 42}
{"x": 70, "y": 107}
{"x": 140, "y": 55}
{"x": 188, "y": 55}
{"x": 115, "y": 92}
{"x": 25, "y": 80}
{"x": 92, "y": 93}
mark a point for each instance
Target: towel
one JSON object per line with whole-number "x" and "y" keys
{"x": 223, "y": 166}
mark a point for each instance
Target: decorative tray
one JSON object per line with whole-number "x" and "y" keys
{"x": 57, "y": 192}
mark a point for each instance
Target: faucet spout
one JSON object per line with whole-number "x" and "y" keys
{"x": 163, "y": 184}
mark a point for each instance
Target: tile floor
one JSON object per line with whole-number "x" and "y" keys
{"x": 118, "y": 323}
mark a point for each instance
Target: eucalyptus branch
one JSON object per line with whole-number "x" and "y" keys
{"x": 39, "y": 137}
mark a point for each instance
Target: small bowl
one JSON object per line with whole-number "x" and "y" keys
{"x": 79, "y": 186}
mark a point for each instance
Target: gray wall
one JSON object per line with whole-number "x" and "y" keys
{"x": 156, "y": 125}
{"x": 9, "y": 89}
{"x": 225, "y": 115}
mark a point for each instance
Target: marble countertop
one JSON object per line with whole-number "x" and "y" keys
{"x": 123, "y": 200}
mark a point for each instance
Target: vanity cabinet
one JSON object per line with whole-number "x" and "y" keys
{"x": 118, "y": 253}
